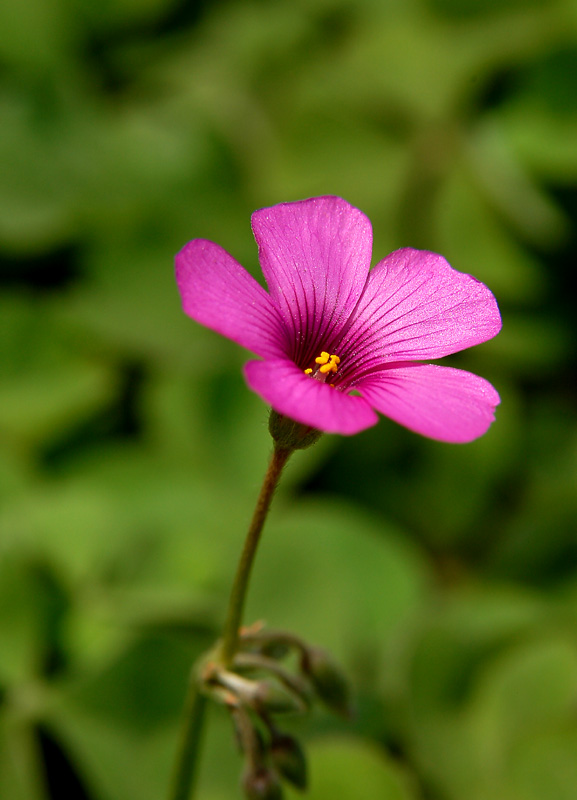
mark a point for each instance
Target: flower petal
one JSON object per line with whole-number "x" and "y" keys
{"x": 416, "y": 306}
{"x": 440, "y": 402}
{"x": 306, "y": 400}
{"x": 315, "y": 255}
{"x": 219, "y": 293}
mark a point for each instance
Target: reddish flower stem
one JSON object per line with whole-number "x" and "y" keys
{"x": 186, "y": 767}
{"x": 237, "y": 599}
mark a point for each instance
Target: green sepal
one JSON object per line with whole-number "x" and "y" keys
{"x": 291, "y": 435}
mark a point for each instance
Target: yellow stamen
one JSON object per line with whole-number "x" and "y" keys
{"x": 327, "y": 363}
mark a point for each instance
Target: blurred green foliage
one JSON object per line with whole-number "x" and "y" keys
{"x": 443, "y": 577}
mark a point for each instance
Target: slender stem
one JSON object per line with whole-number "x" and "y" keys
{"x": 238, "y": 594}
{"x": 185, "y": 773}
{"x": 186, "y": 764}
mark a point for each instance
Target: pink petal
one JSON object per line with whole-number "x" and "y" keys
{"x": 440, "y": 402}
{"x": 416, "y": 306}
{"x": 304, "y": 399}
{"x": 217, "y": 292}
{"x": 315, "y": 255}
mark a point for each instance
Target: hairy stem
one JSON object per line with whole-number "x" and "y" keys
{"x": 239, "y": 589}
{"x": 187, "y": 762}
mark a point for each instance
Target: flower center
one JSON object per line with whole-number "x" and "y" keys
{"x": 326, "y": 364}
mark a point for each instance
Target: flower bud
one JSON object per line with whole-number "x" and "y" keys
{"x": 291, "y": 435}
{"x": 329, "y": 682}
{"x": 261, "y": 783}
{"x": 275, "y": 650}
{"x": 289, "y": 759}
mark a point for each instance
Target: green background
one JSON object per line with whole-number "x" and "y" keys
{"x": 442, "y": 577}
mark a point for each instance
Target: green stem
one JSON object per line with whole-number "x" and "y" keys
{"x": 237, "y": 599}
{"x": 186, "y": 765}
{"x": 185, "y": 774}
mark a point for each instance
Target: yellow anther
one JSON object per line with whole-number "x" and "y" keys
{"x": 327, "y": 363}
{"x": 331, "y": 366}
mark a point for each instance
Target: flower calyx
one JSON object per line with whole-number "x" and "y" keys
{"x": 290, "y": 435}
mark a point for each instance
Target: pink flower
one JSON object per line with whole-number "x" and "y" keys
{"x": 339, "y": 341}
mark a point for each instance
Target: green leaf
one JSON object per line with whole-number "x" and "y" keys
{"x": 352, "y": 769}
{"x": 48, "y": 383}
{"x": 543, "y": 766}
{"x": 141, "y": 687}
{"x": 467, "y": 629}
{"x": 325, "y": 557}
{"x": 487, "y": 677}
{"x": 21, "y": 772}
{"x": 474, "y": 239}
{"x": 24, "y": 624}
{"x": 525, "y": 690}
{"x": 34, "y": 33}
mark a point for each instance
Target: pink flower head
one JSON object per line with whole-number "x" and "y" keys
{"x": 338, "y": 340}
